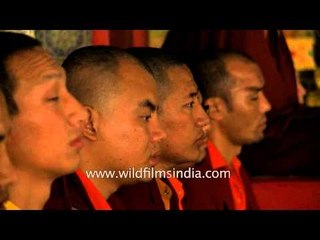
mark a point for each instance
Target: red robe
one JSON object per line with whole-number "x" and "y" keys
{"x": 214, "y": 193}
{"x": 141, "y": 196}
{"x": 75, "y": 192}
{"x": 68, "y": 193}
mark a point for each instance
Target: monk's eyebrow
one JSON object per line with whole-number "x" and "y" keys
{"x": 254, "y": 89}
{"x": 148, "y": 104}
{"x": 193, "y": 94}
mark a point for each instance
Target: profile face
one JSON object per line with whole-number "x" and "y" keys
{"x": 7, "y": 175}
{"x": 45, "y": 137}
{"x": 249, "y": 105}
{"x": 183, "y": 119}
{"x": 129, "y": 127}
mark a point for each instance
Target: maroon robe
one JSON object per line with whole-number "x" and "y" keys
{"x": 214, "y": 194}
{"x": 141, "y": 196}
{"x": 68, "y": 193}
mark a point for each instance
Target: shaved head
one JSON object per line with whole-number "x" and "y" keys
{"x": 212, "y": 74}
{"x": 92, "y": 73}
{"x": 159, "y": 62}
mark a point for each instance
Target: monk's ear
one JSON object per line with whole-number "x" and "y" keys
{"x": 215, "y": 108}
{"x": 89, "y": 127}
